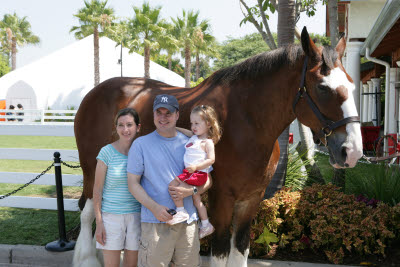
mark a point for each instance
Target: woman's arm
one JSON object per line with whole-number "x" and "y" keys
{"x": 186, "y": 132}
{"x": 100, "y": 177}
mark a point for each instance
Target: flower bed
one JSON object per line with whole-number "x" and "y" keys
{"x": 322, "y": 218}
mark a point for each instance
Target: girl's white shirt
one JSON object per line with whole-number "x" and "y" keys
{"x": 194, "y": 154}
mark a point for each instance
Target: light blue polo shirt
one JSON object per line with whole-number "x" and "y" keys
{"x": 159, "y": 160}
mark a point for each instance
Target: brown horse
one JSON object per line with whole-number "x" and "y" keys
{"x": 255, "y": 101}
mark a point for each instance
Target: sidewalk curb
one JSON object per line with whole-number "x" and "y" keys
{"x": 35, "y": 256}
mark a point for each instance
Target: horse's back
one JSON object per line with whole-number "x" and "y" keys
{"x": 94, "y": 120}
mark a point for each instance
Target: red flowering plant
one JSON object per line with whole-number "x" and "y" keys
{"x": 322, "y": 218}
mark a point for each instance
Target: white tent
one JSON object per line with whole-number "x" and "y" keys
{"x": 63, "y": 78}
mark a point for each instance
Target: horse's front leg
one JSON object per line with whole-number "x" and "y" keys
{"x": 244, "y": 212}
{"x": 221, "y": 217}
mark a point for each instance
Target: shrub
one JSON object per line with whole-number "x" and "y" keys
{"x": 322, "y": 218}
{"x": 296, "y": 178}
{"x": 381, "y": 182}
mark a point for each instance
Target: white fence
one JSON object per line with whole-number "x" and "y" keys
{"x": 37, "y": 116}
{"x": 38, "y": 154}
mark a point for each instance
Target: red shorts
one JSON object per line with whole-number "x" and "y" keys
{"x": 197, "y": 178}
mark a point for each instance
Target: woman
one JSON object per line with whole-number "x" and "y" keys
{"x": 117, "y": 211}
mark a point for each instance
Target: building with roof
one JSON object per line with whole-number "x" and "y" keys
{"x": 372, "y": 59}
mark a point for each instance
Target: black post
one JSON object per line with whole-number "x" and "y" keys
{"x": 62, "y": 244}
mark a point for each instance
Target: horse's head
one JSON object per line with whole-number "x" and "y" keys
{"x": 326, "y": 104}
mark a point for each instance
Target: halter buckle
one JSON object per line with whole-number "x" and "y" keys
{"x": 327, "y": 133}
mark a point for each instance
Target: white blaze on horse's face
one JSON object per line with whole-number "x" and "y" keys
{"x": 353, "y": 142}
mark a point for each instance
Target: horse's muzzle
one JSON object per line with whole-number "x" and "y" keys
{"x": 344, "y": 150}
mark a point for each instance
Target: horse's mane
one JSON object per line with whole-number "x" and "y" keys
{"x": 257, "y": 65}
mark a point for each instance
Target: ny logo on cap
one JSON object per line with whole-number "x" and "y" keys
{"x": 164, "y": 99}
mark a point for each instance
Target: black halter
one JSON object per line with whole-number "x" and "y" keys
{"x": 327, "y": 125}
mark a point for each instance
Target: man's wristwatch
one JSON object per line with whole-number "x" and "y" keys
{"x": 195, "y": 190}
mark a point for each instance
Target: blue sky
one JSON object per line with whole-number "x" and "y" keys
{"x": 51, "y": 20}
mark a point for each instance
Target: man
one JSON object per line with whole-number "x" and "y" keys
{"x": 154, "y": 161}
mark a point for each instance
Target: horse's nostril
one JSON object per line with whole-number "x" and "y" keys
{"x": 346, "y": 165}
{"x": 344, "y": 153}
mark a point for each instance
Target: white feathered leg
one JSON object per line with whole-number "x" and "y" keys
{"x": 236, "y": 258}
{"x": 85, "y": 254}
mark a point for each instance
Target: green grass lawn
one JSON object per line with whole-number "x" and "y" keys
{"x": 41, "y": 190}
{"x": 35, "y": 226}
{"x": 38, "y": 142}
{"x": 32, "y": 226}
{"x": 361, "y": 169}
{"x": 35, "y": 166}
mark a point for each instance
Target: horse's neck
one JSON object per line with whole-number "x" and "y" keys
{"x": 272, "y": 101}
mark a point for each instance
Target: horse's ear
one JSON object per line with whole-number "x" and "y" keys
{"x": 308, "y": 45}
{"x": 340, "y": 47}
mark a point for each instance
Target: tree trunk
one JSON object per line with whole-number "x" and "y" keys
{"x": 197, "y": 66}
{"x": 286, "y": 24}
{"x": 96, "y": 57}
{"x": 147, "y": 61}
{"x": 14, "y": 54}
{"x": 187, "y": 66}
{"x": 339, "y": 178}
{"x": 278, "y": 180}
{"x": 169, "y": 61}
{"x": 305, "y": 148}
{"x": 339, "y": 175}
{"x": 333, "y": 21}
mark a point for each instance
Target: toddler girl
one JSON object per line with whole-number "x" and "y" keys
{"x": 198, "y": 158}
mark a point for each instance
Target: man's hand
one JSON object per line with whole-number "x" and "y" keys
{"x": 191, "y": 168}
{"x": 161, "y": 213}
{"x": 181, "y": 191}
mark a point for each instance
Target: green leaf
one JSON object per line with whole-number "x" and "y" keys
{"x": 267, "y": 237}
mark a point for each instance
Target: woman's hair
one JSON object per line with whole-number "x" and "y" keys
{"x": 19, "y": 106}
{"x": 127, "y": 111}
{"x": 209, "y": 115}
{"x": 11, "y": 107}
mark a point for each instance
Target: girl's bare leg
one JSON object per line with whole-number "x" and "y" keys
{"x": 201, "y": 209}
{"x": 178, "y": 203}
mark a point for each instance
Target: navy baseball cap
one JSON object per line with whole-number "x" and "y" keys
{"x": 166, "y": 101}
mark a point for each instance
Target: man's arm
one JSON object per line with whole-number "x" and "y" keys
{"x": 136, "y": 189}
{"x": 186, "y": 132}
{"x": 184, "y": 190}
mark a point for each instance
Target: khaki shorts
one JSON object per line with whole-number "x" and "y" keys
{"x": 122, "y": 231}
{"x": 161, "y": 244}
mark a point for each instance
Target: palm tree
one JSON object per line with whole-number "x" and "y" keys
{"x": 149, "y": 28}
{"x": 94, "y": 19}
{"x": 204, "y": 44}
{"x": 119, "y": 32}
{"x": 187, "y": 26}
{"x": 15, "y": 31}
{"x": 170, "y": 44}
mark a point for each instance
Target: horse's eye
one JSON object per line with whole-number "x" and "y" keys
{"x": 323, "y": 88}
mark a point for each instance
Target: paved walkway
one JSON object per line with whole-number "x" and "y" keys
{"x": 35, "y": 256}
